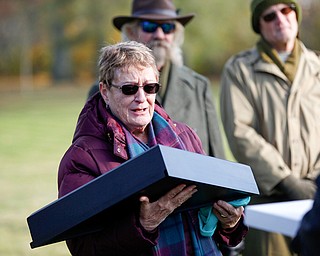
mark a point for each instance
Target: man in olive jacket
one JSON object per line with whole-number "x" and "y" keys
{"x": 270, "y": 105}
{"x": 185, "y": 94}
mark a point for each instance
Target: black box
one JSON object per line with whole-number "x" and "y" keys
{"x": 152, "y": 173}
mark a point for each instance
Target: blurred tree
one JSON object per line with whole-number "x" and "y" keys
{"x": 220, "y": 28}
{"x": 61, "y": 14}
{"x": 62, "y": 38}
{"x": 310, "y": 23}
{"x": 18, "y": 33}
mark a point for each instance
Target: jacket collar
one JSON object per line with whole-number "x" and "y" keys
{"x": 96, "y": 120}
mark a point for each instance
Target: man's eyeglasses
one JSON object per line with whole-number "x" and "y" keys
{"x": 131, "y": 89}
{"x": 273, "y": 15}
{"x": 151, "y": 27}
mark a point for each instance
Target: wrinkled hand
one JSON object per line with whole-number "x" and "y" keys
{"x": 152, "y": 214}
{"x": 227, "y": 214}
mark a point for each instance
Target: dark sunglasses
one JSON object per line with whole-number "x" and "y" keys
{"x": 285, "y": 11}
{"x": 150, "y": 27}
{"x": 131, "y": 89}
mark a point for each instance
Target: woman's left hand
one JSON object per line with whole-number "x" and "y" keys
{"x": 227, "y": 214}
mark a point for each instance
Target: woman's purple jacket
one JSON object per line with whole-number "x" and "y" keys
{"x": 98, "y": 146}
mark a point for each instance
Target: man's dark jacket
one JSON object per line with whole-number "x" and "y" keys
{"x": 307, "y": 240}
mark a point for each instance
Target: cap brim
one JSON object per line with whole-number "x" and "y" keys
{"x": 119, "y": 21}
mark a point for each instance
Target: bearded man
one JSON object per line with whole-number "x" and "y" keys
{"x": 185, "y": 94}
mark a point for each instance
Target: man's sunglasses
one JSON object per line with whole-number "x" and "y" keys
{"x": 273, "y": 15}
{"x": 151, "y": 27}
{"x": 131, "y": 89}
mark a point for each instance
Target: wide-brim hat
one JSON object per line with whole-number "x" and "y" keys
{"x": 154, "y": 10}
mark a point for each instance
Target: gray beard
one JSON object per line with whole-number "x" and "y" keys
{"x": 161, "y": 52}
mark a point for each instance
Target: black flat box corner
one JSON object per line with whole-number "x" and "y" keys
{"x": 152, "y": 173}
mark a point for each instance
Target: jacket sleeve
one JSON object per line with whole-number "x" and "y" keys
{"x": 240, "y": 119}
{"x": 215, "y": 139}
{"x": 190, "y": 139}
{"x": 231, "y": 237}
{"x": 121, "y": 235}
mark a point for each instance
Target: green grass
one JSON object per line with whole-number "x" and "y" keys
{"x": 35, "y": 130}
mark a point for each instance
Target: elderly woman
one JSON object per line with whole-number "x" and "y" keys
{"x": 120, "y": 122}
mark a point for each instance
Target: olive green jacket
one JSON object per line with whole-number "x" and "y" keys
{"x": 271, "y": 124}
{"x": 189, "y": 99}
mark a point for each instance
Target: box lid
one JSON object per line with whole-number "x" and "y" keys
{"x": 152, "y": 173}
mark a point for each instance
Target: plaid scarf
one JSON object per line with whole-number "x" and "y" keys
{"x": 160, "y": 132}
{"x": 172, "y": 240}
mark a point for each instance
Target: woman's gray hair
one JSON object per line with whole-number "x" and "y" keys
{"x": 175, "y": 51}
{"x": 124, "y": 55}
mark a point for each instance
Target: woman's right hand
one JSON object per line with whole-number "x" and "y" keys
{"x": 152, "y": 214}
